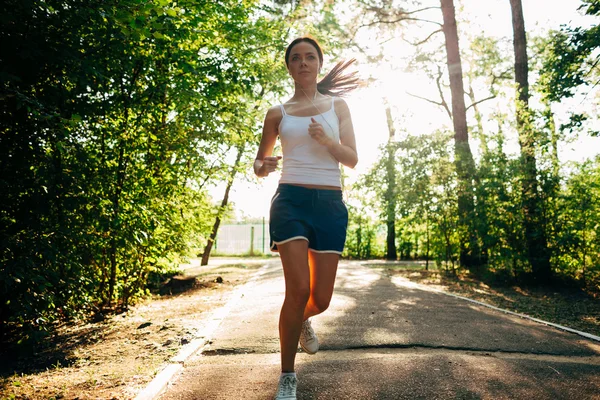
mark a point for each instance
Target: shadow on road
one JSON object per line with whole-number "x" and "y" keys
{"x": 384, "y": 338}
{"x": 390, "y": 340}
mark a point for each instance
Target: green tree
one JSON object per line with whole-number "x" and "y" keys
{"x": 109, "y": 137}
{"x": 465, "y": 166}
{"x": 390, "y": 191}
{"x": 535, "y": 235}
{"x": 579, "y": 224}
{"x": 572, "y": 60}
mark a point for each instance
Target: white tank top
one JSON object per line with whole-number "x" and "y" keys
{"x": 305, "y": 161}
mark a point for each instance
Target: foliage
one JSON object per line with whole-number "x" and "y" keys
{"x": 363, "y": 238}
{"x": 425, "y": 195}
{"x": 562, "y": 65}
{"x": 571, "y": 59}
{"x": 115, "y": 116}
{"x": 578, "y": 225}
{"x": 571, "y": 64}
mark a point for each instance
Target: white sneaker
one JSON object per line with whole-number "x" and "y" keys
{"x": 308, "y": 338}
{"x": 287, "y": 388}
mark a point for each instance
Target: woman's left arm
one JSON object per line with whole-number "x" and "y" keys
{"x": 345, "y": 150}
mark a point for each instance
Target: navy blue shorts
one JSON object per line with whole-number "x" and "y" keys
{"x": 318, "y": 216}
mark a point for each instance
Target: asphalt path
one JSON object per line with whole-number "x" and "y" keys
{"x": 386, "y": 338}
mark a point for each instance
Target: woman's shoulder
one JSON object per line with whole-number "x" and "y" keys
{"x": 338, "y": 100}
{"x": 274, "y": 113}
{"x": 340, "y": 105}
{"x": 273, "y": 119}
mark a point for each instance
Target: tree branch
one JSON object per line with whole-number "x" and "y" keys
{"x": 381, "y": 11}
{"x": 424, "y": 40}
{"x": 256, "y": 49}
{"x": 438, "y": 82}
{"x": 379, "y": 21}
{"x": 426, "y": 99}
{"x": 481, "y": 101}
{"x": 591, "y": 69}
{"x": 422, "y": 9}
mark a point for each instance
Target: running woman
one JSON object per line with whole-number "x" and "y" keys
{"x": 308, "y": 218}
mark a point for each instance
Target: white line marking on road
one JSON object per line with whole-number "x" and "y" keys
{"x": 161, "y": 381}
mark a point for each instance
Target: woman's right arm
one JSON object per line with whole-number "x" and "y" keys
{"x": 264, "y": 164}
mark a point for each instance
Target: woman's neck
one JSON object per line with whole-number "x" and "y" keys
{"x": 306, "y": 93}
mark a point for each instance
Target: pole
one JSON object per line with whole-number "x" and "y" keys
{"x": 263, "y": 237}
{"x": 252, "y": 240}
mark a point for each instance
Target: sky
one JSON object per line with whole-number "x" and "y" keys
{"x": 252, "y": 197}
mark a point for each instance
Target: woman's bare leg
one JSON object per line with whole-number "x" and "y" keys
{"x": 323, "y": 268}
{"x": 294, "y": 257}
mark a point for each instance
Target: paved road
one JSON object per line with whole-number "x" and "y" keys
{"x": 385, "y": 338}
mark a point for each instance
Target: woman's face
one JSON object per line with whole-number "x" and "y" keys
{"x": 303, "y": 63}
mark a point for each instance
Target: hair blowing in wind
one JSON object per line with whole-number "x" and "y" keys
{"x": 336, "y": 82}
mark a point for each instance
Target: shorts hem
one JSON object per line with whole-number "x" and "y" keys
{"x": 285, "y": 241}
{"x": 325, "y": 251}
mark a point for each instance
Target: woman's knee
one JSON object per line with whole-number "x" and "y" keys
{"x": 320, "y": 303}
{"x": 298, "y": 296}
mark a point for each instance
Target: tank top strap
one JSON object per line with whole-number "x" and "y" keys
{"x": 332, "y": 103}
{"x": 282, "y": 109}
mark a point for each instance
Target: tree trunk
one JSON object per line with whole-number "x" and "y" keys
{"x": 359, "y": 240}
{"x": 390, "y": 196}
{"x": 551, "y": 126}
{"x": 465, "y": 166}
{"x": 481, "y": 206}
{"x": 428, "y": 244}
{"x": 224, "y": 202}
{"x": 552, "y": 190}
{"x": 537, "y": 248}
{"x": 115, "y": 229}
{"x": 479, "y": 118}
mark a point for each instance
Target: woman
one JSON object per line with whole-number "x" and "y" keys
{"x": 308, "y": 217}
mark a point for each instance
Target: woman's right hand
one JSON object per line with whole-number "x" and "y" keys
{"x": 269, "y": 164}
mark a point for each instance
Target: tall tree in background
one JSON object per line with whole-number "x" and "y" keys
{"x": 390, "y": 194}
{"x": 537, "y": 248}
{"x": 387, "y": 14}
{"x": 465, "y": 166}
{"x": 528, "y": 210}
{"x": 221, "y": 210}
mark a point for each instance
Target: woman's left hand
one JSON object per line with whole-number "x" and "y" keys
{"x": 315, "y": 130}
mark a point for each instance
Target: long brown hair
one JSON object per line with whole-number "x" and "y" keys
{"x": 335, "y": 83}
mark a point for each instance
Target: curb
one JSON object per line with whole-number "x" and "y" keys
{"x": 524, "y": 316}
{"x": 160, "y": 382}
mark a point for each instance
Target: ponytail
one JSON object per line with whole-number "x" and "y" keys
{"x": 335, "y": 83}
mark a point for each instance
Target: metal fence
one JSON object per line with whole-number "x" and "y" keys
{"x": 242, "y": 239}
